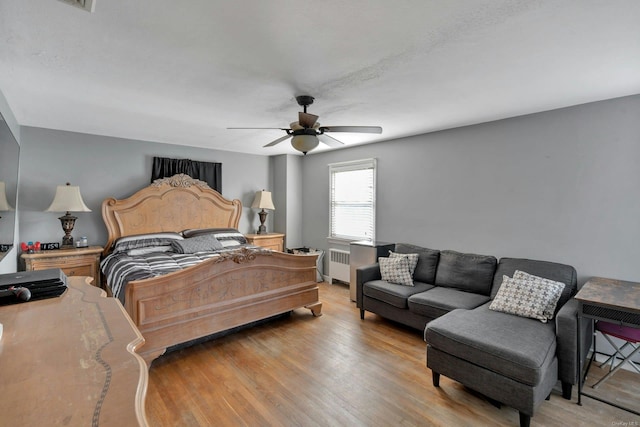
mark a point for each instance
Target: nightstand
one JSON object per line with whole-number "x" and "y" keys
{"x": 273, "y": 241}
{"x": 73, "y": 261}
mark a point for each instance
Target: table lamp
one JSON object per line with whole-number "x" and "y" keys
{"x": 68, "y": 199}
{"x": 263, "y": 201}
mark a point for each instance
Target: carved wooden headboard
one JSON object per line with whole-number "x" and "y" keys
{"x": 169, "y": 204}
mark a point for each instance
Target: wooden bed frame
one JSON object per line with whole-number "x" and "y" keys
{"x": 216, "y": 295}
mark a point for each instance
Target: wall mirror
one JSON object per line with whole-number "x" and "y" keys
{"x": 9, "y": 157}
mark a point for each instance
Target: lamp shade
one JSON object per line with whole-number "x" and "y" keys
{"x": 263, "y": 200}
{"x": 68, "y": 199}
{"x": 4, "y": 203}
{"x": 304, "y": 143}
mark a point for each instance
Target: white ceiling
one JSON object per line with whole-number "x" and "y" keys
{"x": 181, "y": 72}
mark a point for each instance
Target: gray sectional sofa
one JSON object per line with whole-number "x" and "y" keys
{"x": 512, "y": 360}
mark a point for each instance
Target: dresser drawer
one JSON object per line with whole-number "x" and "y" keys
{"x": 274, "y": 245}
{"x": 61, "y": 262}
{"x": 80, "y": 270}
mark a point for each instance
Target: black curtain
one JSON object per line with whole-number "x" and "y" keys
{"x": 211, "y": 173}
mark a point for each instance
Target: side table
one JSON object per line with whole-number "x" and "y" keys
{"x": 273, "y": 241}
{"x": 73, "y": 261}
{"x": 609, "y": 300}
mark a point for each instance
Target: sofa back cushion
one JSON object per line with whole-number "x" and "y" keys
{"x": 425, "y": 271}
{"x": 549, "y": 270}
{"x": 467, "y": 272}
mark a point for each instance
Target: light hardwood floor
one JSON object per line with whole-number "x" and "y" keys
{"x": 334, "y": 370}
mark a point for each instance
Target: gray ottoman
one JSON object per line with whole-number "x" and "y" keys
{"x": 510, "y": 359}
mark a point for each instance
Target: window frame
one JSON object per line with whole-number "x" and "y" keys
{"x": 353, "y": 165}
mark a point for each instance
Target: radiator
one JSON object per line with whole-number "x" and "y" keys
{"x": 339, "y": 265}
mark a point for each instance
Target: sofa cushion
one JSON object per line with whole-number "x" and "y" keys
{"x": 427, "y": 261}
{"x": 391, "y": 293}
{"x": 468, "y": 272}
{"x": 438, "y": 301}
{"x": 515, "y": 347}
{"x": 395, "y": 270}
{"x": 549, "y": 270}
{"x": 528, "y": 297}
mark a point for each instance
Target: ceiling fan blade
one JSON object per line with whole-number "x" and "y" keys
{"x": 277, "y": 141}
{"x": 354, "y": 129}
{"x": 330, "y": 141}
{"x": 262, "y": 128}
{"x": 307, "y": 120}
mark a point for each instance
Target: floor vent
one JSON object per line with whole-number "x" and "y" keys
{"x": 339, "y": 265}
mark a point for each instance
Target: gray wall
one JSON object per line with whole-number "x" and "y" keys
{"x": 287, "y": 198}
{"x": 561, "y": 185}
{"x": 111, "y": 167}
{"x": 278, "y": 188}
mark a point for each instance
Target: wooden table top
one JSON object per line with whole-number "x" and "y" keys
{"x": 71, "y": 361}
{"x": 616, "y": 294}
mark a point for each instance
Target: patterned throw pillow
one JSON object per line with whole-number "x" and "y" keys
{"x": 412, "y": 258}
{"x": 395, "y": 270}
{"x": 550, "y": 310}
{"x": 527, "y": 298}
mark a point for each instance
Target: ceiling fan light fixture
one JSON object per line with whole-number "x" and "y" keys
{"x": 304, "y": 143}
{"x": 306, "y": 134}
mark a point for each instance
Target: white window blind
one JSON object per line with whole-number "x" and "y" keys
{"x": 353, "y": 197}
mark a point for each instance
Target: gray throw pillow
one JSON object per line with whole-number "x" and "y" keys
{"x": 202, "y": 243}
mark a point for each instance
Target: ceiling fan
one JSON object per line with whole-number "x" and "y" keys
{"x": 306, "y": 133}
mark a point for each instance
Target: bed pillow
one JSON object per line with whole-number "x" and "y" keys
{"x": 395, "y": 270}
{"x": 524, "y": 297}
{"x": 149, "y": 250}
{"x": 201, "y": 243}
{"x": 124, "y": 244}
{"x": 228, "y": 237}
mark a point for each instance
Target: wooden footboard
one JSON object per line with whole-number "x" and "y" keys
{"x": 219, "y": 294}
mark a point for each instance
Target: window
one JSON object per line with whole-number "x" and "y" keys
{"x": 353, "y": 200}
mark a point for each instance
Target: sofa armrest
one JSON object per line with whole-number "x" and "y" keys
{"x": 567, "y": 341}
{"x": 365, "y": 274}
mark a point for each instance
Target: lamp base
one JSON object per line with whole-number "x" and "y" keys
{"x": 68, "y": 221}
{"x": 263, "y": 217}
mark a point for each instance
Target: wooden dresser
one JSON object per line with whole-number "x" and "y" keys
{"x": 273, "y": 241}
{"x": 73, "y": 261}
{"x": 71, "y": 360}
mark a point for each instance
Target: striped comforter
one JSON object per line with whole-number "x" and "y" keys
{"x": 120, "y": 268}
